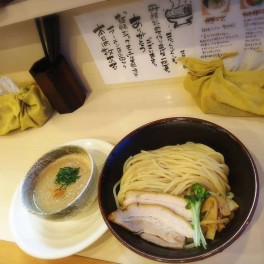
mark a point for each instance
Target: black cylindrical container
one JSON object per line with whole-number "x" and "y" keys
{"x": 59, "y": 84}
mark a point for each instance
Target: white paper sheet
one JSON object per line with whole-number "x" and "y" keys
{"x": 143, "y": 40}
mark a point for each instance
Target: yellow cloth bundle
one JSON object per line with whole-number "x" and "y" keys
{"x": 220, "y": 91}
{"x": 28, "y": 108}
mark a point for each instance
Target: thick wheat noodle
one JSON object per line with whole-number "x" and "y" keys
{"x": 174, "y": 169}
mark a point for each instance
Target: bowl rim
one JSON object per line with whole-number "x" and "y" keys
{"x": 41, "y": 158}
{"x": 209, "y": 253}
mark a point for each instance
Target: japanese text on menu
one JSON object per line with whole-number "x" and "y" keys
{"x": 143, "y": 40}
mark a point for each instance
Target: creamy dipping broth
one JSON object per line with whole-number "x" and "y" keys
{"x": 48, "y": 195}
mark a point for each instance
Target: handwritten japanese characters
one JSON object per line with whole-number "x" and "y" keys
{"x": 143, "y": 40}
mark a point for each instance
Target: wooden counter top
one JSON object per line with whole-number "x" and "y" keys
{"x": 110, "y": 115}
{"x": 11, "y": 253}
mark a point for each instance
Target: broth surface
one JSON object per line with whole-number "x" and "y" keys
{"x": 47, "y": 194}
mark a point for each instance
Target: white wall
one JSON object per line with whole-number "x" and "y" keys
{"x": 20, "y": 47}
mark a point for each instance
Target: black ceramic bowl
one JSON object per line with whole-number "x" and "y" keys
{"x": 243, "y": 179}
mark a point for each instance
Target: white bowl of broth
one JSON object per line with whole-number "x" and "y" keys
{"x": 60, "y": 183}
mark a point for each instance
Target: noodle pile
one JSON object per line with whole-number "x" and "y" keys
{"x": 174, "y": 169}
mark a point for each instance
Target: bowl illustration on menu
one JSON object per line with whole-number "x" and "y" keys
{"x": 179, "y": 15}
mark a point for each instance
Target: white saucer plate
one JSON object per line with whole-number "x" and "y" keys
{"x": 57, "y": 239}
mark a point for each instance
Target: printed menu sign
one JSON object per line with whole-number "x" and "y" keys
{"x": 143, "y": 40}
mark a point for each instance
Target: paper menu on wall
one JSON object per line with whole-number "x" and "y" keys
{"x": 143, "y": 40}
{"x": 234, "y": 26}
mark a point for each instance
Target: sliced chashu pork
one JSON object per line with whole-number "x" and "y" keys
{"x": 155, "y": 222}
{"x": 161, "y": 242}
{"x": 175, "y": 203}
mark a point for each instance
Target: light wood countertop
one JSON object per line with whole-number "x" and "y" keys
{"x": 109, "y": 115}
{"x": 11, "y": 253}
